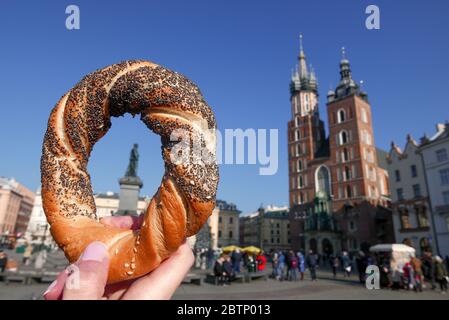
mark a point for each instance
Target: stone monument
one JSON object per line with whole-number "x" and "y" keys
{"x": 130, "y": 186}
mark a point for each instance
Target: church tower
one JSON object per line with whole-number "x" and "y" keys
{"x": 351, "y": 139}
{"x": 305, "y": 129}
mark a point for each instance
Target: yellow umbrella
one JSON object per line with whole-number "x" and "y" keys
{"x": 252, "y": 249}
{"x": 231, "y": 248}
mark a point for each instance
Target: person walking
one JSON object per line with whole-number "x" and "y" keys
{"x": 311, "y": 262}
{"x": 441, "y": 274}
{"x": 346, "y": 264}
{"x": 3, "y": 260}
{"x": 274, "y": 264}
{"x": 281, "y": 266}
{"x": 236, "y": 259}
{"x": 417, "y": 272}
{"x": 301, "y": 265}
{"x": 335, "y": 263}
{"x": 428, "y": 268}
{"x": 293, "y": 267}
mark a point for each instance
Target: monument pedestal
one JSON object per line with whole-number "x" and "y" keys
{"x": 129, "y": 195}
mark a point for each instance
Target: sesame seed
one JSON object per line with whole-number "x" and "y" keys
{"x": 133, "y": 266}
{"x": 126, "y": 265}
{"x": 135, "y": 249}
{"x": 129, "y": 273}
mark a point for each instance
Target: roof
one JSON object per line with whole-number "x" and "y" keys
{"x": 397, "y": 247}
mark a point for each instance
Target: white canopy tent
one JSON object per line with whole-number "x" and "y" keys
{"x": 400, "y": 254}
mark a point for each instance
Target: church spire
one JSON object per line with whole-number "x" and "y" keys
{"x": 303, "y": 73}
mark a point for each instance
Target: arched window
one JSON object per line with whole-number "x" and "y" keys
{"x": 341, "y": 115}
{"x": 299, "y": 166}
{"x": 343, "y": 137}
{"x": 345, "y": 155}
{"x": 323, "y": 182}
{"x": 347, "y": 173}
{"x": 307, "y": 102}
{"x": 297, "y": 121}
{"x": 300, "y": 181}
{"x": 298, "y": 149}
{"x": 348, "y": 192}
{"x": 297, "y": 135}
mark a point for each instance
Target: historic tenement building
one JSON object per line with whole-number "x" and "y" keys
{"x": 223, "y": 225}
{"x": 267, "y": 228}
{"x": 410, "y": 197}
{"x": 338, "y": 184}
{"x": 435, "y": 154}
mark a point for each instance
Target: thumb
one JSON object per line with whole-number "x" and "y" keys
{"x": 88, "y": 275}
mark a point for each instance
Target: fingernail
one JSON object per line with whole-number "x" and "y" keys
{"x": 96, "y": 251}
{"x": 50, "y": 287}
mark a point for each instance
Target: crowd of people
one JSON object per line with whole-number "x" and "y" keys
{"x": 427, "y": 271}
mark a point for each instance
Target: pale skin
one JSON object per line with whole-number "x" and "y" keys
{"x": 93, "y": 267}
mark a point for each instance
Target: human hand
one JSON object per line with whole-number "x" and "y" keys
{"x": 92, "y": 270}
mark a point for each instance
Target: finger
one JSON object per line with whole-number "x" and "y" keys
{"x": 88, "y": 275}
{"x": 124, "y": 222}
{"x": 161, "y": 283}
{"x": 54, "y": 291}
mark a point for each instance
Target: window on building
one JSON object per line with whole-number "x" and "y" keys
{"x": 352, "y": 225}
{"x": 414, "y": 171}
{"x": 446, "y": 197}
{"x": 297, "y": 135}
{"x": 421, "y": 216}
{"x": 405, "y": 219}
{"x": 299, "y": 163}
{"x": 441, "y": 155}
{"x": 301, "y": 181}
{"x": 400, "y": 194}
{"x": 278, "y": 240}
{"x": 364, "y": 116}
{"x": 277, "y": 231}
{"x": 348, "y": 192}
{"x": 397, "y": 175}
{"x": 447, "y": 223}
{"x": 416, "y": 190}
{"x": 347, "y": 173}
{"x": 343, "y": 137}
{"x": 298, "y": 122}
{"x": 298, "y": 149}
{"x": 219, "y": 219}
{"x": 444, "y": 175}
{"x": 219, "y": 233}
{"x": 272, "y": 232}
{"x": 272, "y": 240}
{"x": 277, "y": 225}
{"x": 345, "y": 155}
{"x": 341, "y": 115}
{"x": 230, "y": 234}
{"x": 231, "y": 220}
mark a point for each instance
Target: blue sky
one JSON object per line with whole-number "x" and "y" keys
{"x": 240, "y": 53}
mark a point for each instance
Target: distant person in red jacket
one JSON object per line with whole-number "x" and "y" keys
{"x": 261, "y": 261}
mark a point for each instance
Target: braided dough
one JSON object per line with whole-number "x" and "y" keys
{"x": 166, "y": 101}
